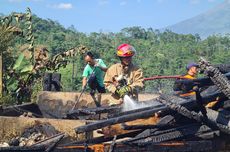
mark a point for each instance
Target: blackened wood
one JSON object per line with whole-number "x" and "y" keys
{"x": 102, "y": 139}
{"x": 17, "y": 110}
{"x": 22, "y": 149}
{"x": 213, "y": 119}
{"x": 185, "y": 146}
{"x": 206, "y": 99}
{"x": 209, "y": 135}
{"x": 116, "y": 120}
{"x": 54, "y": 143}
{"x": 92, "y": 111}
{"x": 218, "y": 117}
{"x": 142, "y": 113}
{"x": 180, "y": 132}
{"x": 156, "y": 105}
{"x": 113, "y": 144}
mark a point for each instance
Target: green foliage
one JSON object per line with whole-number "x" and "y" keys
{"x": 158, "y": 53}
{"x": 7, "y": 100}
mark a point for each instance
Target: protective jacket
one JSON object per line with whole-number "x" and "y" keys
{"x": 187, "y": 92}
{"x": 133, "y": 75}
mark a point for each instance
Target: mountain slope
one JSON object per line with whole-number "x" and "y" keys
{"x": 214, "y": 21}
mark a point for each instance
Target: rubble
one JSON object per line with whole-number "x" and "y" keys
{"x": 168, "y": 123}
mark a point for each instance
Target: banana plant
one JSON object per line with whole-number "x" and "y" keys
{"x": 24, "y": 73}
{"x": 7, "y": 32}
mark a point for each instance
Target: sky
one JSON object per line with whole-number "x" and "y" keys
{"x": 111, "y": 15}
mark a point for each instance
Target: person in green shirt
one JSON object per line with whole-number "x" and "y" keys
{"x": 93, "y": 75}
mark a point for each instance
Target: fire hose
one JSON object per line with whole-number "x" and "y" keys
{"x": 165, "y": 77}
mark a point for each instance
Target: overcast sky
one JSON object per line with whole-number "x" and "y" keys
{"x": 111, "y": 15}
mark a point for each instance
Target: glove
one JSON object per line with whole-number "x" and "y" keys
{"x": 123, "y": 91}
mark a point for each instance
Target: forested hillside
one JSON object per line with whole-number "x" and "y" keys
{"x": 158, "y": 53}
{"x": 214, "y": 21}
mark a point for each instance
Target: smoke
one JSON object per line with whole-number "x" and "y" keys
{"x": 130, "y": 104}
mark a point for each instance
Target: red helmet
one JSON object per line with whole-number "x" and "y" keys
{"x": 125, "y": 50}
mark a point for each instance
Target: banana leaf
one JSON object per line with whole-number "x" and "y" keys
{"x": 27, "y": 69}
{"x": 19, "y": 61}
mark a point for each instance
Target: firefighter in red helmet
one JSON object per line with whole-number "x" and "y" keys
{"x": 124, "y": 78}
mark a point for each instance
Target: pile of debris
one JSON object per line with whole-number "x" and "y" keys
{"x": 34, "y": 134}
{"x": 174, "y": 124}
{"x": 169, "y": 123}
{"x": 39, "y": 137}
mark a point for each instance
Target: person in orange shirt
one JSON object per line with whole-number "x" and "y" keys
{"x": 192, "y": 70}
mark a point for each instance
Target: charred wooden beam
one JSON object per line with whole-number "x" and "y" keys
{"x": 218, "y": 117}
{"x": 113, "y": 144}
{"x": 185, "y": 146}
{"x": 23, "y": 149}
{"x": 181, "y": 132}
{"x": 116, "y": 120}
{"x": 219, "y": 79}
{"x": 225, "y": 113}
{"x": 92, "y": 111}
{"x": 55, "y": 142}
{"x": 154, "y": 105}
{"x": 190, "y": 103}
{"x": 212, "y": 119}
{"x": 102, "y": 139}
{"x": 17, "y": 110}
{"x": 142, "y": 113}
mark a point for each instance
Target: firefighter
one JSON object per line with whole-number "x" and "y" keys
{"x": 93, "y": 75}
{"x": 124, "y": 77}
{"x": 192, "y": 70}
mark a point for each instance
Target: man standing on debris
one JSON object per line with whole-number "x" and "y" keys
{"x": 191, "y": 74}
{"x": 125, "y": 77}
{"x": 93, "y": 75}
